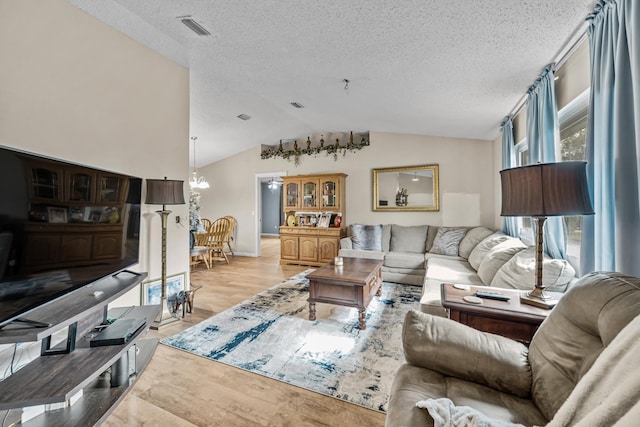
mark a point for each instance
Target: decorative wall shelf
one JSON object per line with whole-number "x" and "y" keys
{"x": 336, "y": 144}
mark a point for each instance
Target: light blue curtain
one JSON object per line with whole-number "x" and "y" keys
{"x": 611, "y": 237}
{"x": 542, "y": 136}
{"x": 509, "y": 223}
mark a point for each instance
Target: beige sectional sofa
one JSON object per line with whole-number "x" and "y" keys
{"x": 427, "y": 256}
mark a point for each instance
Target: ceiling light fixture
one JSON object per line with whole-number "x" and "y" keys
{"x": 194, "y": 26}
{"x": 272, "y": 185}
{"x": 194, "y": 181}
{"x": 297, "y": 105}
{"x": 244, "y": 116}
{"x": 415, "y": 177}
{"x": 346, "y": 85}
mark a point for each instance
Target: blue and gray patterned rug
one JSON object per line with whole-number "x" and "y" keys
{"x": 270, "y": 334}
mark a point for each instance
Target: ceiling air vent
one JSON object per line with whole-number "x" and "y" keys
{"x": 297, "y": 105}
{"x": 194, "y": 26}
{"x": 244, "y": 117}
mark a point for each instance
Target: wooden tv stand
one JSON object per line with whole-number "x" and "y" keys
{"x": 58, "y": 378}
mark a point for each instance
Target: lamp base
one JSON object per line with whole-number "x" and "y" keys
{"x": 164, "y": 317}
{"x": 538, "y": 298}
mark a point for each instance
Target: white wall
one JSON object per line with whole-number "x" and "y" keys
{"x": 74, "y": 88}
{"x": 466, "y": 168}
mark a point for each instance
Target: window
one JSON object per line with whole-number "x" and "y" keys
{"x": 573, "y": 120}
{"x": 525, "y": 228}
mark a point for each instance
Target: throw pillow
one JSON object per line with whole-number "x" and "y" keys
{"x": 497, "y": 257}
{"x": 448, "y": 240}
{"x": 471, "y": 239}
{"x": 481, "y": 249}
{"x": 431, "y": 235}
{"x": 519, "y": 272}
{"x": 408, "y": 238}
{"x": 366, "y": 237}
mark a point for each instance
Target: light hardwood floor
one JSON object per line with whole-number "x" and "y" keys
{"x": 181, "y": 389}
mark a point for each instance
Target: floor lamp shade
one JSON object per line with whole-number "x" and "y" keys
{"x": 164, "y": 192}
{"x": 540, "y": 191}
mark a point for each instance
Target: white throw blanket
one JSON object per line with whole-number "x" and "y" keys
{"x": 446, "y": 414}
{"x": 608, "y": 395}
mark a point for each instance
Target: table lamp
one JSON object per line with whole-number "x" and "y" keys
{"x": 164, "y": 192}
{"x": 540, "y": 191}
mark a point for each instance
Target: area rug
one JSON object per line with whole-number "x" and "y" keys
{"x": 270, "y": 334}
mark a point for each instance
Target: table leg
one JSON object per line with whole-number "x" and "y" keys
{"x": 379, "y": 291}
{"x": 362, "y": 318}
{"x": 312, "y": 311}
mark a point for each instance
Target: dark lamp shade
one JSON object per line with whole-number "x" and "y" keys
{"x": 546, "y": 189}
{"x": 164, "y": 192}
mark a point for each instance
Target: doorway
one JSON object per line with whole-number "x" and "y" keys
{"x": 269, "y": 214}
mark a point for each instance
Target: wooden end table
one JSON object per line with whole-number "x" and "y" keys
{"x": 510, "y": 319}
{"x": 351, "y": 285}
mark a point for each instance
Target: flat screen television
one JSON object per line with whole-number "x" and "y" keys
{"x": 62, "y": 227}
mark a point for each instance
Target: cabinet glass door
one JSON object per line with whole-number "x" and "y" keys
{"x": 309, "y": 194}
{"x": 110, "y": 189}
{"x": 80, "y": 187}
{"x": 291, "y": 200}
{"x": 329, "y": 194}
{"x": 46, "y": 183}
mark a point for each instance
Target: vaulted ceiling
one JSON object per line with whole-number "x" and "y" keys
{"x": 450, "y": 68}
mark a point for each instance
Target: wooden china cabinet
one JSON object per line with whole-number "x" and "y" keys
{"x": 314, "y": 208}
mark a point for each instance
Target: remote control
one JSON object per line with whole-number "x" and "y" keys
{"x": 492, "y": 295}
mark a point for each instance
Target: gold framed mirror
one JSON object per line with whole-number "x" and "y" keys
{"x": 406, "y": 188}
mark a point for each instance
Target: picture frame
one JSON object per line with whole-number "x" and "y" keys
{"x": 324, "y": 220}
{"x": 57, "y": 215}
{"x": 95, "y": 216}
{"x": 152, "y": 290}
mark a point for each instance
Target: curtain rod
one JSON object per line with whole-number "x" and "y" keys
{"x": 573, "y": 42}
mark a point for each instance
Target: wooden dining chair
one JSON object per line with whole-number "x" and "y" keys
{"x": 201, "y": 252}
{"x": 231, "y": 234}
{"x": 206, "y": 224}
{"x": 219, "y": 230}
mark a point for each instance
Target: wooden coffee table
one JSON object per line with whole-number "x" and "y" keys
{"x": 351, "y": 285}
{"x": 507, "y": 318}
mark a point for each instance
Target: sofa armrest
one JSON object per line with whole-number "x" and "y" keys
{"x": 345, "y": 243}
{"x": 457, "y": 350}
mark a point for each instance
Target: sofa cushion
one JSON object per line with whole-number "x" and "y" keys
{"x": 448, "y": 240}
{"x": 355, "y": 253}
{"x": 431, "y": 299}
{"x": 408, "y": 238}
{"x": 451, "y": 271}
{"x": 471, "y": 239}
{"x": 409, "y": 260}
{"x": 366, "y": 237}
{"x": 481, "y": 249}
{"x": 497, "y": 257}
{"x": 412, "y": 384}
{"x": 519, "y": 272}
{"x": 386, "y": 237}
{"x": 431, "y": 236}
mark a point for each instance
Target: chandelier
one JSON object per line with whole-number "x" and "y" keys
{"x": 195, "y": 181}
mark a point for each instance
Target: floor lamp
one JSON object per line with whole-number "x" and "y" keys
{"x": 164, "y": 192}
{"x": 540, "y": 191}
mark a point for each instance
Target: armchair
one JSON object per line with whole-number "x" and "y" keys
{"x": 577, "y": 360}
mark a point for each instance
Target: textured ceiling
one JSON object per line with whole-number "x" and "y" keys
{"x": 434, "y": 67}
